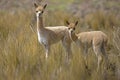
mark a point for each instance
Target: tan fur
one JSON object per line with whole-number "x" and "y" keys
{"x": 95, "y": 39}
{"x": 50, "y": 35}
{"x": 92, "y": 38}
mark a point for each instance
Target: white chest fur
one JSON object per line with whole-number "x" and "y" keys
{"x": 41, "y": 38}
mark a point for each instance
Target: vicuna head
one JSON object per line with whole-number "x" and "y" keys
{"x": 39, "y": 9}
{"x": 71, "y": 27}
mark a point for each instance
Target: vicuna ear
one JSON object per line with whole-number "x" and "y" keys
{"x": 45, "y": 6}
{"x": 67, "y": 23}
{"x": 35, "y": 4}
{"x": 76, "y": 23}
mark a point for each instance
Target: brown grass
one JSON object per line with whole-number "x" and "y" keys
{"x": 101, "y": 19}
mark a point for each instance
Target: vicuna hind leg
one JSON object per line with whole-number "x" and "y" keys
{"x": 105, "y": 57}
{"x": 97, "y": 50}
{"x": 67, "y": 47}
{"x": 105, "y": 65}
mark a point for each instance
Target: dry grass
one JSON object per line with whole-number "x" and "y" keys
{"x": 22, "y": 57}
{"x": 101, "y": 19}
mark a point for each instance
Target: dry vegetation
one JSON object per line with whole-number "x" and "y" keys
{"x": 23, "y": 58}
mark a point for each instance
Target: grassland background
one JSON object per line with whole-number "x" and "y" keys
{"x": 23, "y": 58}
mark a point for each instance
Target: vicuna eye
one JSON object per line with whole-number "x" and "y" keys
{"x": 36, "y": 11}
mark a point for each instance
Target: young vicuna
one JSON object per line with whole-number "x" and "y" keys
{"x": 95, "y": 39}
{"x": 50, "y": 35}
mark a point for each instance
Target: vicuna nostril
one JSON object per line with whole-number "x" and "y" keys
{"x": 71, "y": 31}
{"x": 73, "y": 28}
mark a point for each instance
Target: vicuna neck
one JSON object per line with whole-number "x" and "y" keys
{"x": 73, "y": 37}
{"x": 39, "y": 23}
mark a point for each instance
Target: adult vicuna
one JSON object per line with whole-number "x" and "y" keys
{"x": 95, "y": 39}
{"x": 50, "y": 35}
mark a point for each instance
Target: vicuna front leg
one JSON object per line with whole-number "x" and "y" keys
{"x": 84, "y": 50}
{"x": 47, "y": 50}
